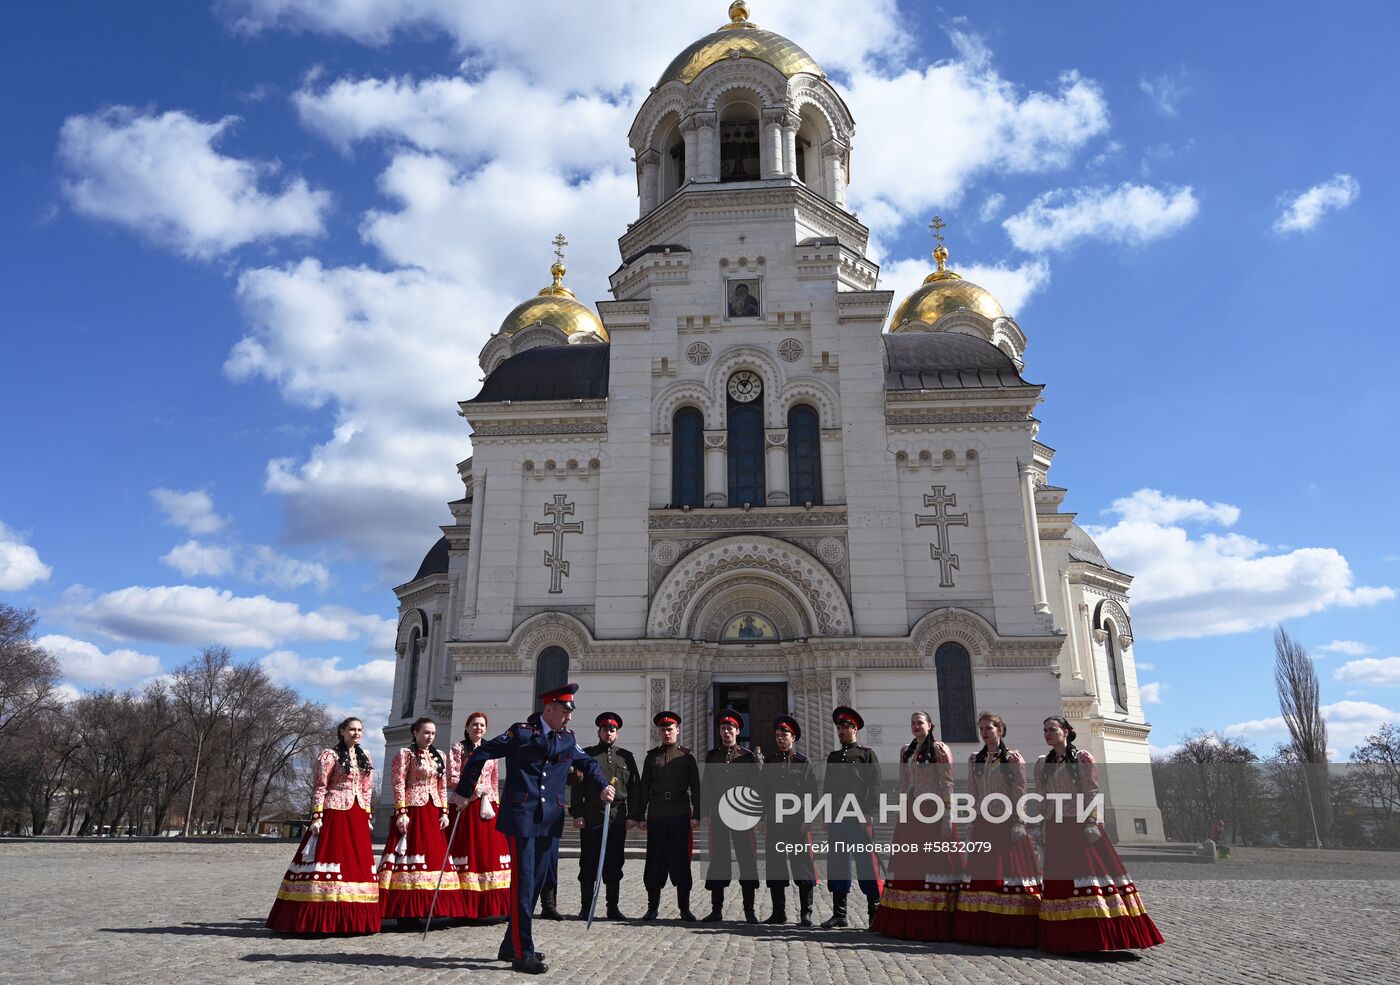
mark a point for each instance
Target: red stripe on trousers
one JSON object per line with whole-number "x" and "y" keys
{"x": 515, "y": 902}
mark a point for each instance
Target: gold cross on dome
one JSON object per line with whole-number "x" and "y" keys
{"x": 938, "y": 225}
{"x": 559, "y": 243}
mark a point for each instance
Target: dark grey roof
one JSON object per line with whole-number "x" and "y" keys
{"x": 1083, "y": 548}
{"x": 550, "y": 372}
{"x": 655, "y": 248}
{"x": 945, "y": 361}
{"x": 435, "y": 561}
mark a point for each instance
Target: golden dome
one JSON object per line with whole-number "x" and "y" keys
{"x": 555, "y": 305}
{"x": 943, "y": 293}
{"x": 739, "y": 39}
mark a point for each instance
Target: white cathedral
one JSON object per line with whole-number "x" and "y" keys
{"x": 744, "y": 482}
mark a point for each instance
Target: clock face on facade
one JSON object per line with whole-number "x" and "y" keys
{"x": 745, "y": 386}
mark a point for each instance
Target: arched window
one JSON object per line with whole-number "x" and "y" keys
{"x": 551, "y": 671}
{"x": 956, "y": 717}
{"x": 1113, "y": 651}
{"x": 673, "y": 165}
{"x": 738, "y": 144}
{"x": 410, "y": 693}
{"x": 804, "y": 456}
{"x": 688, "y": 458}
{"x": 745, "y": 453}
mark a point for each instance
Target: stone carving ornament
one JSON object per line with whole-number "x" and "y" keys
{"x": 790, "y": 350}
{"x": 698, "y": 353}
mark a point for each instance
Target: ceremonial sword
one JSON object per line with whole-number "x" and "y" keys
{"x": 602, "y": 857}
{"x": 446, "y": 860}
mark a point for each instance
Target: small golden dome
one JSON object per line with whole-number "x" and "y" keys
{"x": 944, "y": 291}
{"x": 555, "y": 305}
{"x": 739, "y": 39}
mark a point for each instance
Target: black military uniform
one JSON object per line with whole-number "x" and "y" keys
{"x": 788, "y": 773}
{"x": 720, "y": 779}
{"x": 670, "y": 797}
{"x": 852, "y": 770}
{"x": 620, "y": 767}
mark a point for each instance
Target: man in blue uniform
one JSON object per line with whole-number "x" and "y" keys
{"x": 539, "y": 757}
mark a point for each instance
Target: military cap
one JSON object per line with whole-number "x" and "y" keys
{"x": 844, "y": 714}
{"x": 730, "y": 715}
{"x": 608, "y": 718}
{"x": 564, "y": 695}
{"x": 666, "y": 718}
{"x": 788, "y": 724}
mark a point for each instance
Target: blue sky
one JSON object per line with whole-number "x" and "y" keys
{"x": 252, "y": 249}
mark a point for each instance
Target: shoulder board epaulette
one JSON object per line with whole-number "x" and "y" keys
{"x": 680, "y": 748}
{"x": 528, "y": 726}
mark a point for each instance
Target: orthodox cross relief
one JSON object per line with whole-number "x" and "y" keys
{"x": 554, "y": 558}
{"x": 941, "y": 520}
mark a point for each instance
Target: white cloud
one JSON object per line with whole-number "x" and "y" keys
{"x": 266, "y": 566}
{"x": 991, "y": 207}
{"x": 373, "y": 679}
{"x": 1383, "y": 672}
{"x": 1349, "y": 723}
{"x": 85, "y": 663}
{"x": 1163, "y": 752}
{"x": 193, "y": 510}
{"x": 161, "y": 176}
{"x": 1302, "y": 212}
{"x": 1151, "y": 692}
{"x": 1166, "y": 92}
{"x": 198, "y": 616}
{"x": 193, "y": 559}
{"x": 1129, "y": 214}
{"x": 1350, "y": 648}
{"x": 1143, "y": 665}
{"x": 1190, "y": 585}
{"x": 20, "y": 566}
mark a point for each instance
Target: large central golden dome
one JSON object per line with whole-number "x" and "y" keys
{"x": 739, "y": 39}
{"x": 944, "y": 292}
{"x": 556, "y": 306}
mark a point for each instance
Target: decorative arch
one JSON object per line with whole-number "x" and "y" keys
{"x": 687, "y": 392}
{"x": 550, "y": 629}
{"x": 410, "y": 620}
{"x": 671, "y": 98}
{"x": 787, "y": 570}
{"x": 1112, "y": 611}
{"x": 768, "y": 85}
{"x": 827, "y": 102}
{"x": 808, "y": 391}
{"x": 730, "y": 597}
{"x": 957, "y": 625}
{"x": 753, "y": 359}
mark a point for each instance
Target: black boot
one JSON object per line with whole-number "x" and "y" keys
{"x": 585, "y": 897}
{"x": 683, "y": 898}
{"x": 613, "y": 888}
{"x": 804, "y": 903}
{"x": 838, "y": 912}
{"x": 716, "y": 913}
{"x": 779, "y": 914}
{"x": 871, "y": 905}
{"x": 549, "y": 903}
{"x": 653, "y": 904}
{"x": 749, "y": 915}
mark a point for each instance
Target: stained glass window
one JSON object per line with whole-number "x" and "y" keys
{"x": 688, "y": 458}
{"x": 956, "y": 717}
{"x": 804, "y": 456}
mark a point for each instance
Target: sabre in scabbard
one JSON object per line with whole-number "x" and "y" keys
{"x": 602, "y": 856}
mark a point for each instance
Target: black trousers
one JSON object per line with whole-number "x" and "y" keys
{"x": 787, "y": 853}
{"x": 668, "y": 852}
{"x": 592, "y": 839}
{"x": 721, "y": 871}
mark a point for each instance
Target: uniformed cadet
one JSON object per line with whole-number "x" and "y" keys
{"x": 851, "y": 770}
{"x": 619, "y": 766}
{"x": 669, "y": 802}
{"x": 539, "y": 758}
{"x": 788, "y": 771}
{"x": 719, "y": 779}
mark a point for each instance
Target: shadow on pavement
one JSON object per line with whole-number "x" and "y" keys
{"x": 240, "y": 928}
{"x": 859, "y": 939}
{"x": 427, "y": 962}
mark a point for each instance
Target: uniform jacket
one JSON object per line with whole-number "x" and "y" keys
{"x": 537, "y": 771}
{"x": 418, "y": 780}
{"x": 620, "y": 767}
{"x": 670, "y": 783}
{"x": 853, "y": 769}
{"x": 490, "y": 773}
{"x": 721, "y": 779}
{"x": 787, "y": 773}
{"x": 337, "y": 790}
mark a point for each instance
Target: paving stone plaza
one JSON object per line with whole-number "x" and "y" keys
{"x": 168, "y": 912}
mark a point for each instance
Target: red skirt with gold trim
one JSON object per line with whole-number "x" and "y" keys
{"x": 412, "y": 863}
{"x": 921, "y": 898}
{"x": 1089, "y": 902}
{"x": 1000, "y": 902}
{"x": 332, "y": 888}
{"x": 480, "y": 857}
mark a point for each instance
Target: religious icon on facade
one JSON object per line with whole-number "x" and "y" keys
{"x": 749, "y": 627}
{"x": 744, "y": 298}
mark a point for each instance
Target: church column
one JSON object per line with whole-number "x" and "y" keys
{"x": 650, "y": 162}
{"x": 690, "y": 130}
{"x": 1072, "y": 664}
{"x": 474, "y": 554}
{"x": 834, "y": 157}
{"x": 773, "y": 164}
{"x": 707, "y": 139}
{"x": 791, "y": 124}
{"x": 776, "y": 480}
{"x": 1033, "y": 537}
{"x": 716, "y": 478}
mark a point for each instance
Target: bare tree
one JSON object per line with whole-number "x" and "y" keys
{"x": 201, "y": 693}
{"x": 28, "y": 674}
{"x": 1375, "y": 773}
{"x": 1298, "y": 698}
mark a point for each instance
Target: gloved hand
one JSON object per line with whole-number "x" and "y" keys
{"x": 442, "y": 821}
{"x": 1092, "y": 833}
{"x": 402, "y": 822}
{"x": 316, "y": 827}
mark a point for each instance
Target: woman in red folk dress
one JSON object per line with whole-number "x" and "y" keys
{"x": 479, "y": 854}
{"x": 1089, "y": 902}
{"x": 920, "y": 900}
{"x": 330, "y": 886}
{"x": 1000, "y": 902}
{"x": 417, "y": 849}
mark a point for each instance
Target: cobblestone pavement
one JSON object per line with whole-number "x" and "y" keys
{"x": 155, "y": 912}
